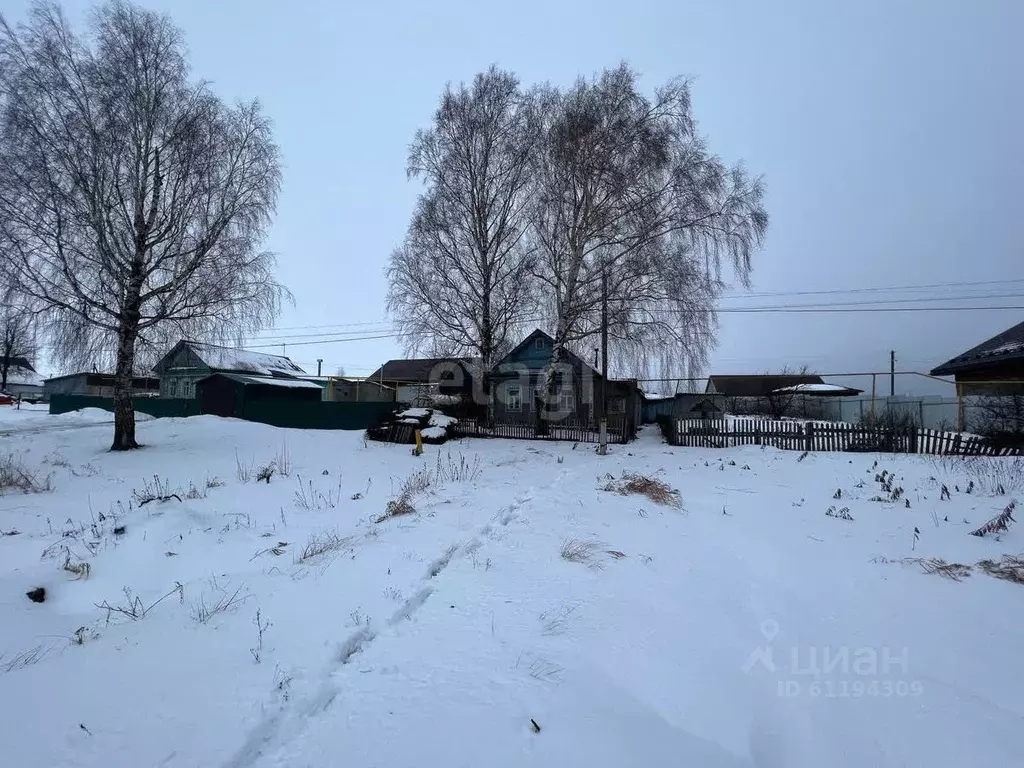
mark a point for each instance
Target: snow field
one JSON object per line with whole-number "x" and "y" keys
{"x": 731, "y": 631}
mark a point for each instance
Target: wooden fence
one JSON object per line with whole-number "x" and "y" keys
{"x": 619, "y": 430}
{"x": 823, "y": 436}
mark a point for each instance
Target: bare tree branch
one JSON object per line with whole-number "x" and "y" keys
{"x": 625, "y": 187}
{"x": 459, "y": 282}
{"x": 133, "y": 202}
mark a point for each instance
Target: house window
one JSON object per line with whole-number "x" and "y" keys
{"x": 566, "y": 399}
{"x": 172, "y": 388}
{"x": 539, "y": 343}
{"x": 513, "y": 398}
{"x": 617, "y": 405}
{"x": 187, "y": 388}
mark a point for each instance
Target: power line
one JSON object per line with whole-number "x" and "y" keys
{"x": 802, "y": 309}
{"x": 881, "y": 289}
{"x": 870, "y": 303}
{"x": 737, "y": 295}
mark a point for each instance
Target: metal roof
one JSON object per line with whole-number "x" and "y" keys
{"x": 272, "y": 381}
{"x": 412, "y": 371}
{"x": 759, "y": 385}
{"x": 1004, "y": 347}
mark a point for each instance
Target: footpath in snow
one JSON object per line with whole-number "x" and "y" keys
{"x": 497, "y": 603}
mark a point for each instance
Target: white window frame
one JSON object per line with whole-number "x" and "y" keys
{"x": 513, "y": 398}
{"x": 172, "y": 388}
{"x": 566, "y": 398}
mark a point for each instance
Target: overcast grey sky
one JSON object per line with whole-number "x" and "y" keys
{"x": 888, "y": 132}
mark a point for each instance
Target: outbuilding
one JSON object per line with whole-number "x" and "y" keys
{"x": 230, "y": 394}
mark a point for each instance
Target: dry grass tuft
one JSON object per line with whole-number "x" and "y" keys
{"x": 580, "y": 550}
{"x": 655, "y": 490}
{"x": 396, "y": 508}
{"x": 243, "y": 470}
{"x": 14, "y": 474}
{"x": 283, "y": 460}
{"x": 264, "y": 473}
{"x": 323, "y": 543}
{"x": 224, "y": 602}
{"x": 79, "y": 569}
{"x": 23, "y": 659}
{"x": 134, "y": 608}
{"x": 998, "y": 524}
{"x": 461, "y": 470}
{"x": 415, "y": 484}
{"x": 1008, "y": 568}
{"x": 556, "y": 622}
{"x": 936, "y": 566}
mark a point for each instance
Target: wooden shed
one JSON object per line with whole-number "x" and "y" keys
{"x": 226, "y": 394}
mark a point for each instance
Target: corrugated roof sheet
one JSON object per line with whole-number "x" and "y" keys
{"x": 758, "y": 385}
{"x": 1003, "y": 347}
{"x": 272, "y": 381}
{"x": 417, "y": 371}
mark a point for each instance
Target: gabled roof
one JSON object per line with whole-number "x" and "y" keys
{"x": 758, "y": 385}
{"x": 705, "y": 404}
{"x": 23, "y": 376}
{"x": 418, "y": 371}
{"x": 538, "y": 333}
{"x": 234, "y": 360}
{"x": 1004, "y": 347}
{"x": 19, "y": 362}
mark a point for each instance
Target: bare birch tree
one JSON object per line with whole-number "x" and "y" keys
{"x": 17, "y": 332}
{"x": 133, "y": 201}
{"x": 459, "y": 282}
{"x": 630, "y": 204}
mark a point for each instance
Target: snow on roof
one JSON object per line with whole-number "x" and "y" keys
{"x": 1007, "y": 346}
{"x": 655, "y": 396}
{"x": 1012, "y": 346}
{"x": 228, "y": 359}
{"x": 818, "y": 388}
{"x": 276, "y": 382}
{"x": 24, "y": 377}
{"x": 414, "y": 413}
{"x": 438, "y": 419}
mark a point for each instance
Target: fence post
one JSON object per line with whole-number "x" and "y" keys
{"x": 913, "y": 439}
{"x": 808, "y": 437}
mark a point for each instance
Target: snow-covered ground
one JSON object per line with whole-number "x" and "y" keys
{"x": 746, "y": 628}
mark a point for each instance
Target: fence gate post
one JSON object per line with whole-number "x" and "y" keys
{"x": 808, "y": 437}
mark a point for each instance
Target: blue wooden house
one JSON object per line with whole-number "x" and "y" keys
{"x": 514, "y": 384}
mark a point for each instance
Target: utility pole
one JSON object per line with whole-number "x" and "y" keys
{"x": 602, "y": 448}
{"x": 892, "y": 373}
{"x": 319, "y": 363}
